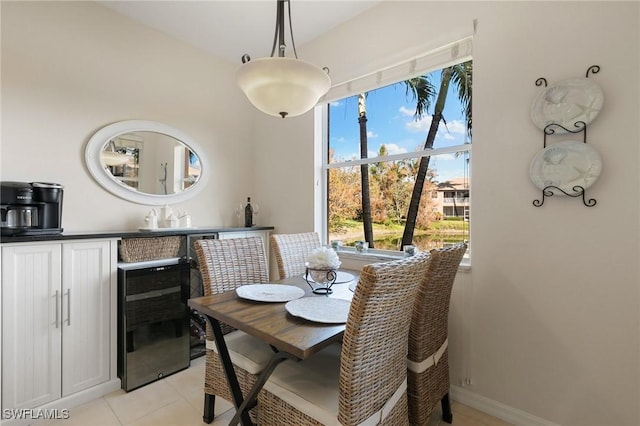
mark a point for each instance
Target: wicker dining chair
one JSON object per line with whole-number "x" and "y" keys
{"x": 225, "y": 265}
{"x": 362, "y": 381}
{"x": 292, "y": 251}
{"x": 428, "y": 361}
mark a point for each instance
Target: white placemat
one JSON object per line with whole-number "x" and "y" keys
{"x": 342, "y": 277}
{"x": 352, "y": 286}
{"x": 322, "y": 309}
{"x": 269, "y": 292}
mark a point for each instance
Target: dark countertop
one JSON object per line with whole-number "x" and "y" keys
{"x": 126, "y": 234}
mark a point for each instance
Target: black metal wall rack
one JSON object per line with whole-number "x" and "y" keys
{"x": 549, "y": 130}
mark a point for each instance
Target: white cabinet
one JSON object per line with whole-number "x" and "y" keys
{"x": 31, "y": 325}
{"x": 58, "y": 320}
{"x": 86, "y": 313}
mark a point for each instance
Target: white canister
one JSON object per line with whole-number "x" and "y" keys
{"x": 185, "y": 221}
{"x": 151, "y": 220}
{"x": 165, "y": 213}
{"x": 172, "y": 221}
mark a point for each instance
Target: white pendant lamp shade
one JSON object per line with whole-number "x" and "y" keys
{"x": 282, "y": 87}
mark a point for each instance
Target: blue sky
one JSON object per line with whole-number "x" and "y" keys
{"x": 391, "y": 122}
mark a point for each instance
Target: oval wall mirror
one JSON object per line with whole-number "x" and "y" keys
{"x": 146, "y": 162}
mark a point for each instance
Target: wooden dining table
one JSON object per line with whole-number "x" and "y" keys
{"x": 289, "y": 336}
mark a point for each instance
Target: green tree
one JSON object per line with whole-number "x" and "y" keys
{"x": 344, "y": 197}
{"x": 394, "y": 180}
{"x": 422, "y": 90}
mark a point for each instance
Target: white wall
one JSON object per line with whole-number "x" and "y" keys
{"x": 552, "y": 296}
{"x": 284, "y": 172}
{"x": 70, "y": 68}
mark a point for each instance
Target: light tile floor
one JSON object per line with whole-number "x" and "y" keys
{"x": 177, "y": 400}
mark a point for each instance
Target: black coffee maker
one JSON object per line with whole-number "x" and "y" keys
{"x": 31, "y": 208}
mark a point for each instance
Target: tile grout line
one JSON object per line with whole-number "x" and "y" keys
{"x": 112, "y": 411}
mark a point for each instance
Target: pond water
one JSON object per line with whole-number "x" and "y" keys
{"x": 424, "y": 242}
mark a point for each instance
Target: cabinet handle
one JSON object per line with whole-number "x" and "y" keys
{"x": 69, "y": 306}
{"x": 57, "y": 309}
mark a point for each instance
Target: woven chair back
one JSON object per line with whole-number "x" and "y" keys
{"x": 229, "y": 263}
{"x": 430, "y": 315}
{"x": 374, "y": 350}
{"x": 292, "y": 250}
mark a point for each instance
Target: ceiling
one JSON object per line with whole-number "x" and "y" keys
{"x": 231, "y": 28}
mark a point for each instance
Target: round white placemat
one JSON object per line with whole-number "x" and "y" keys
{"x": 269, "y": 292}
{"x": 322, "y": 309}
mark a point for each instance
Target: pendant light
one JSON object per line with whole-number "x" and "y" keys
{"x": 110, "y": 157}
{"x": 279, "y": 86}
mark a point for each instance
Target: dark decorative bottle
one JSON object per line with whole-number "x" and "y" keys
{"x": 248, "y": 214}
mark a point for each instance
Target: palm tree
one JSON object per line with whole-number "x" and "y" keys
{"x": 422, "y": 90}
{"x": 364, "y": 171}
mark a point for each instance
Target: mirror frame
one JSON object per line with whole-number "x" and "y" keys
{"x": 100, "y": 139}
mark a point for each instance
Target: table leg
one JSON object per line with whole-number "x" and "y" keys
{"x": 232, "y": 379}
{"x": 250, "y": 400}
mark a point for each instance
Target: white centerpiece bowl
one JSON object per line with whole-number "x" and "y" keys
{"x": 322, "y": 275}
{"x": 321, "y": 267}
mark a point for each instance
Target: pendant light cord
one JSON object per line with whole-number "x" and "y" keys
{"x": 278, "y": 36}
{"x": 293, "y": 43}
{"x": 278, "y": 23}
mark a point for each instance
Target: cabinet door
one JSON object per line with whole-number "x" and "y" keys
{"x": 31, "y": 325}
{"x": 86, "y": 313}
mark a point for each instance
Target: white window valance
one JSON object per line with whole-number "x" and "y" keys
{"x": 442, "y": 57}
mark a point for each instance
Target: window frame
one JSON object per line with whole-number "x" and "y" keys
{"x": 434, "y": 60}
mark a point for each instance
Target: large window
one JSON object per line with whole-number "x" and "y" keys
{"x": 409, "y": 145}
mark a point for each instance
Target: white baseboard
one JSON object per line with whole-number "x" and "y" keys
{"x": 497, "y": 409}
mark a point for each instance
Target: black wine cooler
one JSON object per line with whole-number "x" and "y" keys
{"x": 153, "y": 321}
